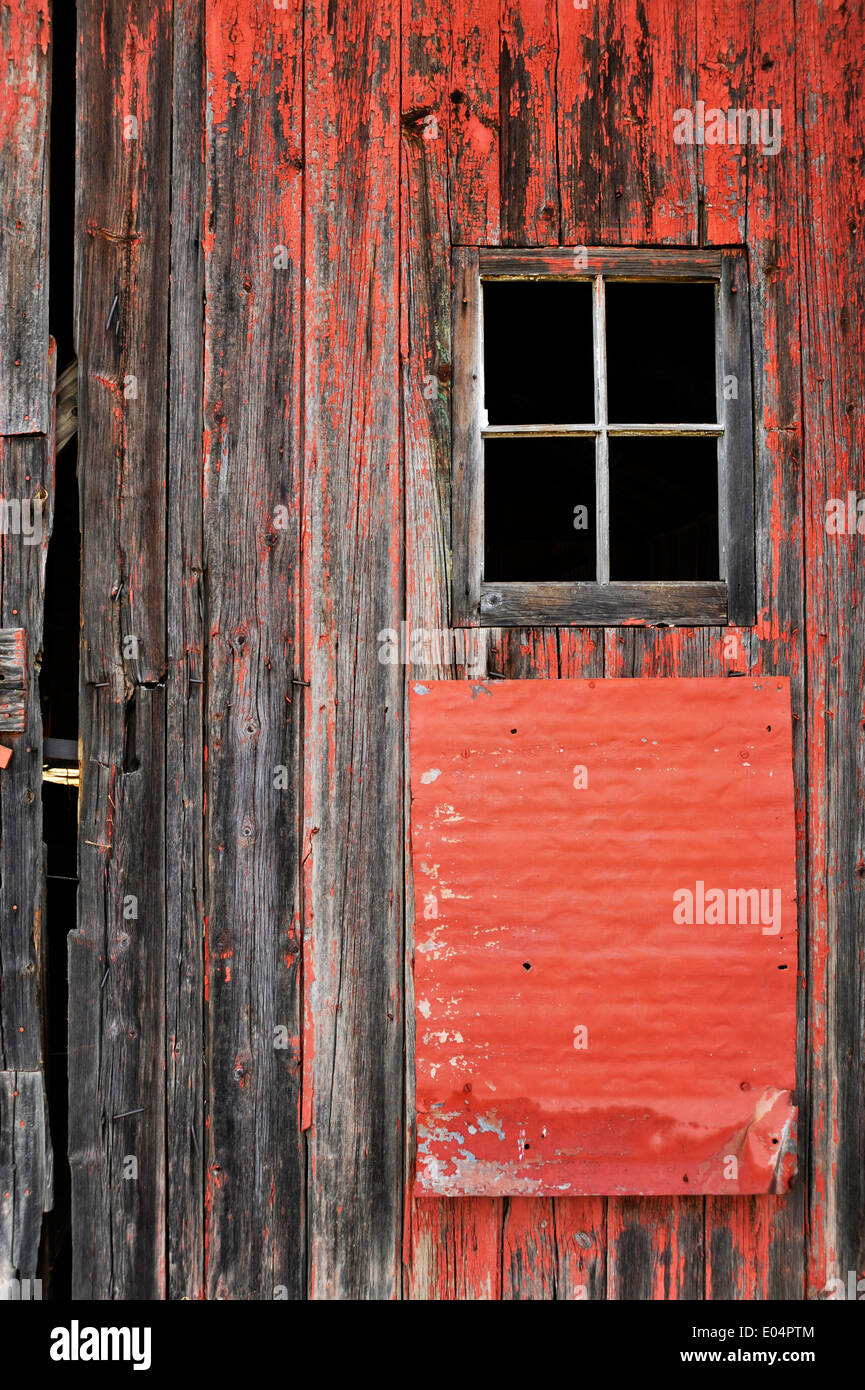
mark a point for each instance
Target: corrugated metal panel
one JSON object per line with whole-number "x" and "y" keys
{"x": 605, "y": 936}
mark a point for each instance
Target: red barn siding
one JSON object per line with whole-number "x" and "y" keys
{"x": 287, "y": 1169}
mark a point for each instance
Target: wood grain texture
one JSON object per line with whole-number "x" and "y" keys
{"x": 474, "y": 129}
{"x": 648, "y": 184}
{"x": 736, "y": 476}
{"x": 579, "y": 122}
{"x": 728, "y": 44}
{"x": 767, "y": 1249}
{"x": 466, "y": 497}
{"x": 25, "y": 388}
{"x": 252, "y": 466}
{"x": 451, "y": 1248}
{"x": 27, "y": 416}
{"x": 637, "y": 262}
{"x": 184, "y": 736}
{"x": 554, "y": 130}
{"x": 354, "y": 729}
{"x": 528, "y": 56}
{"x": 754, "y": 1250}
{"x": 26, "y": 473}
{"x": 13, "y": 677}
{"x": 831, "y": 136}
{"x": 26, "y": 1172}
{"x": 598, "y": 604}
{"x": 116, "y": 955}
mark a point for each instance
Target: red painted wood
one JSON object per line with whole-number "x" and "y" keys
{"x": 832, "y": 140}
{"x": 543, "y": 909}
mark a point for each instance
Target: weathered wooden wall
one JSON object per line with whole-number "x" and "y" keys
{"x": 27, "y": 373}
{"x": 269, "y": 258}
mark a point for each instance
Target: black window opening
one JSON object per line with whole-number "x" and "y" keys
{"x": 603, "y": 450}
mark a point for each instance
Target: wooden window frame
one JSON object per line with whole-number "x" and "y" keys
{"x": 730, "y": 599}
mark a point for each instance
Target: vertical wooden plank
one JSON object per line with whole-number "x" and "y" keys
{"x": 648, "y": 183}
{"x": 116, "y": 955}
{"x": 27, "y": 384}
{"x": 26, "y": 1174}
{"x": 354, "y": 763}
{"x": 829, "y": 47}
{"x": 25, "y": 387}
{"x": 735, "y": 370}
{"x": 467, "y": 469}
{"x": 456, "y": 1248}
{"x": 530, "y": 211}
{"x": 756, "y": 1251}
{"x": 578, "y": 123}
{"x": 184, "y": 973}
{"x": 655, "y": 1248}
{"x": 26, "y": 479}
{"x": 451, "y": 1248}
{"x": 727, "y": 52}
{"x": 253, "y": 268}
{"x": 474, "y": 137}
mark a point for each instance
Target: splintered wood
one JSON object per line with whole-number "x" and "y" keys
{"x": 605, "y": 936}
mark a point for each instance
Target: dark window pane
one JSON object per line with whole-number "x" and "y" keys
{"x": 660, "y": 353}
{"x": 538, "y": 352}
{"x": 539, "y": 509}
{"x": 663, "y": 509}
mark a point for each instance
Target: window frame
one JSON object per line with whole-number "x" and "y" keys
{"x": 731, "y": 599}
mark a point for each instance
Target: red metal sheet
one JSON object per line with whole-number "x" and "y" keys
{"x": 605, "y": 936}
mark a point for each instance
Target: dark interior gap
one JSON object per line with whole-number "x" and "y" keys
{"x": 540, "y": 499}
{"x": 58, "y": 681}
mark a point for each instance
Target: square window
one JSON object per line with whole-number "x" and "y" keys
{"x": 602, "y": 429}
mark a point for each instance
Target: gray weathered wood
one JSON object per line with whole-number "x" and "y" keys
{"x": 353, "y": 762}
{"x": 184, "y": 850}
{"x": 626, "y": 263}
{"x": 736, "y": 474}
{"x": 26, "y": 1173}
{"x": 831, "y": 438}
{"x": 593, "y": 605}
{"x": 117, "y": 953}
{"x": 256, "y": 1172}
{"x": 27, "y": 372}
{"x": 26, "y": 472}
{"x": 67, "y": 405}
{"x": 467, "y": 447}
{"x": 13, "y": 678}
{"x": 25, "y": 387}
